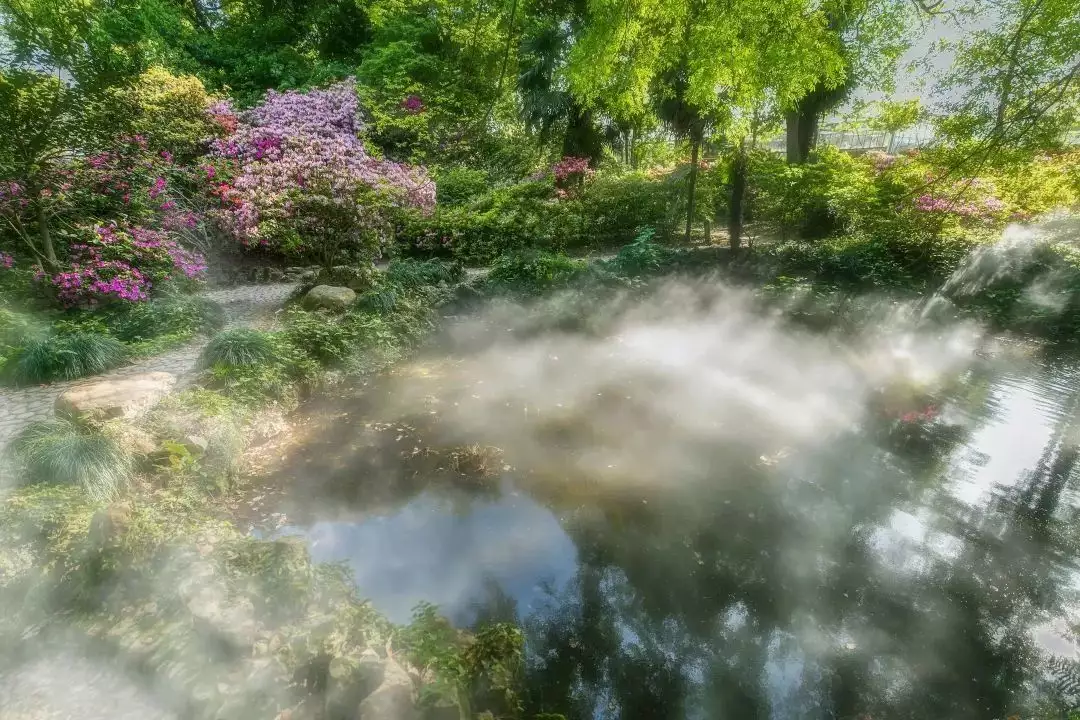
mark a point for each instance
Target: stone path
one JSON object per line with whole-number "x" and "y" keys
{"x": 245, "y": 306}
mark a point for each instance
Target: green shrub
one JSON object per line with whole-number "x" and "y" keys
{"x": 609, "y": 210}
{"x": 273, "y": 368}
{"x": 410, "y": 273}
{"x": 324, "y": 337}
{"x": 65, "y": 452}
{"x": 67, "y": 357}
{"x": 533, "y": 272}
{"x": 642, "y": 256}
{"x": 831, "y": 195}
{"x": 459, "y": 185}
{"x": 241, "y": 347}
{"x": 174, "y": 314}
{"x": 614, "y": 208}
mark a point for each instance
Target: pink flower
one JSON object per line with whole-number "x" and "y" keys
{"x": 158, "y": 188}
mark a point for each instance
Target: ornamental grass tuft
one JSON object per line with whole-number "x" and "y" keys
{"x": 64, "y": 452}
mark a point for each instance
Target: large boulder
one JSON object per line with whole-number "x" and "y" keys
{"x": 329, "y": 297}
{"x": 393, "y": 699}
{"x": 125, "y": 397}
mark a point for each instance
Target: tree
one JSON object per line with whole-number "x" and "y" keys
{"x": 1017, "y": 83}
{"x": 98, "y": 43}
{"x": 42, "y": 119}
{"x": 895, "y": 116}
{"x": 548, "y": 107}
{"x": 871, "y": 36}
{"x": 717, "y": 60}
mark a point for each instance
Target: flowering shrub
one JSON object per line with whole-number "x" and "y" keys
{"x": 985, "y": 208}
{"x": 116, "y": 264}
{"x": 6, "y": 261}
{"x": 412, "y": 104}
{"x": 297, "y": 144}
{"x": 570, "y": 169}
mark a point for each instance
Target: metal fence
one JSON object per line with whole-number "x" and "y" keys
{"x": 863, "y": 140}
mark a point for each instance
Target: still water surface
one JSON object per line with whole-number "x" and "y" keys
{"x": 917, "y": 562}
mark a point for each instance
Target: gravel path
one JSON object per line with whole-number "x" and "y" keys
{"x": 69, "y": 687}
{"x": 245, "y": 306}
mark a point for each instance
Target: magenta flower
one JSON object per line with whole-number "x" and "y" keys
{"x": 413, "y": 104}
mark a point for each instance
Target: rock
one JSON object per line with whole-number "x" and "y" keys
{"x": 393, "y": 699}
{"x": 372, "y": 671}
{"x": 275, "y": 275}
{"x": 360, "y": 278}
{"x": 125, "y": 397}
{"x": 134, "y": 440}
{"x": 108, "y": 525}
{"x": 329, "y": 297}
{"x": 309, "y": 276}
{"x": 294, "y": 270}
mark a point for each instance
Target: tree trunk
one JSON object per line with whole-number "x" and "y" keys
{"x": 45, "y": 235}
{"x": 738, "y": 197}
{"x": 891, "y": 144}
{"x": 691, "y": 185}
{"x": 792, "y": 138}
{"x": 802, "y": 131}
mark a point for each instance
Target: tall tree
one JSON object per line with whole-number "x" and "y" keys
{"x": 1016, "y": 83}
{"x": 871, "y": 35}
{"x": 734, "y": 54}
{"x": 547, "y": 105}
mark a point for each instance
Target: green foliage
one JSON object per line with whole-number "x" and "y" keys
{"x": 643, "y": 256}
{"x": 168, "y": 110}
{"x": 173, "y": 314}
{"x": 609, "y": 210}
{"x": 459, "y": 185}
{"x": 67, "y": 357}
{"x": 533, "y": 272}
{"x": 409, "y": 273}
{"x": 65, "y": 452}
{"x": 896, "y": 115}
{"x": 481, "y": 672}
{"x": 17, "y": 329}
{"x": 829, "y": 196}
{"x": 237, "y": 348}
{"x": 325, "y": 337}
{"x": 1013, "y": 82}
{"x": 254, "y": 367}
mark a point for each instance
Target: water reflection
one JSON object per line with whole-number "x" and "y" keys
{"x": 895, "y": 569}
{"x": 450, "y": 551}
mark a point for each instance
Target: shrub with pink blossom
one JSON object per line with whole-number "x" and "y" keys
{"x": 6, "y": 261}
{"x": 113, "y": 263}
{"x": 296, "y": 144}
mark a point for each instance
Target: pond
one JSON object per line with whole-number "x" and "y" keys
{"x": 699, "y": 510}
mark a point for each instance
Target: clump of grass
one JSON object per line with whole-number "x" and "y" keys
{"x": 416, "y": 273}
{"x": 381, "y": 301}
{"x": 480, "y": 462}
{"x": 239, "y": 348}
{"x": 67, "y": 357}
{"x": 64, "y": 452}
{"x": 175, "y": 314}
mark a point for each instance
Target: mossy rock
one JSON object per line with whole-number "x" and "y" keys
{"x": 329, "y": 297}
